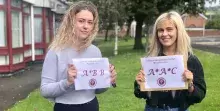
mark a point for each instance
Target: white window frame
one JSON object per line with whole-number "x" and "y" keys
{"x": 28, "y": 7}
{"x": 18, "y": 58}
{"x": 39, "y": 51}
{"x": 47, "y": 30}
{"x": 16, "y": 4}
{"x": 20, "y": 31}
{"x": 3, "y": 43}
{"x": 27, "y": 40}
{"x": 27, "y": 53}
{"x": 36, "y": 38}
{"x": 4, "y": 60}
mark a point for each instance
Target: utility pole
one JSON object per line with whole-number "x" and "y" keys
{"x": 116, "y": 39}
{"x": 116, "y": 30}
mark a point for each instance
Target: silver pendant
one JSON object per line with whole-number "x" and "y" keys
{"x": 149, "y": 94}
{"x": 173, "y": 93}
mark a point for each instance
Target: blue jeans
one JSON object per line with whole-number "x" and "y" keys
{"x": 148, "y": 108}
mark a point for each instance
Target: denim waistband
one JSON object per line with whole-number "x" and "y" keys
{"x": 165, "y": 108}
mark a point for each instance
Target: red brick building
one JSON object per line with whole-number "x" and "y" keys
{"x": 195, "y": 26}
{"x": 27, "y": 27}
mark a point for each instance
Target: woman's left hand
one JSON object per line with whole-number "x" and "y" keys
{"x": 113, "y": 73}
{"x": 188, "y": 76}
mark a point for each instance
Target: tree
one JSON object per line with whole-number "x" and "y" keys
{"x": 149, "y": 9}
{"x": 143, "y": 11}
{"x": 214, "y": 23}
{"x": 108, "y": 14}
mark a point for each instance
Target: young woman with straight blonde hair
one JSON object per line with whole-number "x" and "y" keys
{"x": 73, "y": 40}
{"x": 170, "y": 38}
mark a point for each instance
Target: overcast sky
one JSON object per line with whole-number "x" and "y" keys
{"x": 207, "y": 4}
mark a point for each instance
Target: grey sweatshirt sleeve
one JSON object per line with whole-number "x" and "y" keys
{"x": 99, "y": 91}
{"x": 50, "y": 87}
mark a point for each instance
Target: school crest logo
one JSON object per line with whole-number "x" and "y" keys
{"x": 92, "y": 82}
{"x": 161, "y": 81}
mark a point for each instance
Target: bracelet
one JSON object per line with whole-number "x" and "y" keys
{"x": 114, "y": 85}
{"x": 190, "y": 85}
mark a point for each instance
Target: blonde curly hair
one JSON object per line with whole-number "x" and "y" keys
{"x": 65, "y": 36}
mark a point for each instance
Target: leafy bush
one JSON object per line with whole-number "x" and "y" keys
{"x": 214, "y": 23}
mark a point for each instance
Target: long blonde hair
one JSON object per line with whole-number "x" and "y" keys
{"x": 183, "y": 40}
{"x": 65, "y": 36}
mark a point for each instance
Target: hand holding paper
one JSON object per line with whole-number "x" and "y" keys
{"x": 71, "y": 74}
{"x": 140, "y": 77}
{"x": 113, "y": 74}
{"x": 93, "y": 73}
{"x": 163, "y": 73}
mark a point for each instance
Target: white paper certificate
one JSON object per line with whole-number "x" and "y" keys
{"x": 163, "y": 72}
{"x": 92, "y": 73}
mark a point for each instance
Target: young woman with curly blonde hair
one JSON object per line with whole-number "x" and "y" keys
{"x": 73, "y": 40}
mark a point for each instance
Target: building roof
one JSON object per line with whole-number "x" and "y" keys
{"x": 203, "y": 16}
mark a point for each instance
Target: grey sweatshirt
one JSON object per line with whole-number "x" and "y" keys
{"x": 54, "y": 76}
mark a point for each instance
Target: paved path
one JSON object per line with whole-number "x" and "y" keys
{"x": 17, "y": 87}
{"x": 209, "y": 44}
{"x": 213, "y": 49}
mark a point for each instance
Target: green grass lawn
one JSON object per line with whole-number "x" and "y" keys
{"x": 127, "y": 64}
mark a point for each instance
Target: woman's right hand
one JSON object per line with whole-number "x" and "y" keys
{"x": 71, "y": 74}
{"x": 140, "y": 77}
